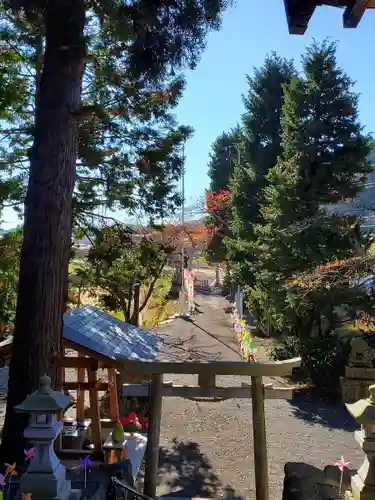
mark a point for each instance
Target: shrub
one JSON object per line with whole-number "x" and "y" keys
{"x": 323, "y": 359}
{"x": 288, "y": 346}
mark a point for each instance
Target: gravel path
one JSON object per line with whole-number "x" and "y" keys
{"x": 207, "y": 449}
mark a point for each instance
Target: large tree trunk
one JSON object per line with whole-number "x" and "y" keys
{"x": 43, "y": 277}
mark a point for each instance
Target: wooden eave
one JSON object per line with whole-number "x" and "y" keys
{"x": 299, "y": 12}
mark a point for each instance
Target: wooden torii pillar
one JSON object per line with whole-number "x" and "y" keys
{"x": 208, "y": 391}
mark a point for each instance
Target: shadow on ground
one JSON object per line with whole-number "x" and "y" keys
{"x": 187, "y": 472}
{"x": 213, "y": 336}
{"x": 316, "y": 410}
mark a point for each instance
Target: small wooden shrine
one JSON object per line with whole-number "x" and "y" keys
{"x": 96, "y": 345}
{"x": 360, "y": 371}
{"x": 299, "y": 12}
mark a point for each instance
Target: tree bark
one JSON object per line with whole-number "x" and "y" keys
{"x": 43, "y": 277}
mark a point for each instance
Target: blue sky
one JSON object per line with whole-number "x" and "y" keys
{"x": 212, "y": 101}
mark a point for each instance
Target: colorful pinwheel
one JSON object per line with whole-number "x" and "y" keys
{"x": 85, "y": 464}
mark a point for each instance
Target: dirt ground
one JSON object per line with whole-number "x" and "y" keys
{"x": 207, "y": 448}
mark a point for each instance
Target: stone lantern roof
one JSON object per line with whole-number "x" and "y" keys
{"x": 44, "y": 400}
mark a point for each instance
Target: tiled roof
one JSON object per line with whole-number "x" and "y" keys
{"x": 100, "y": 332}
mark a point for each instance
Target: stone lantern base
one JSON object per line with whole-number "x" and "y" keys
{"x": 360, "y": 491}
{"x": 52, "y": 486}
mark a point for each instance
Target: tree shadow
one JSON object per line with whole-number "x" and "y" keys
{"x": 214, "y": 337}
{"x": 315, "y": 409}
{"x": 187, "y": 472}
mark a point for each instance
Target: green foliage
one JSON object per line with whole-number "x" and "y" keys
{"x": 118, "y": 261}
{"x": 324, "y": 159}
{"x": 260, "y": 147}
{"x": 324, "y": 360}
{"x": 129, "y": 155}
{"x": 291, "y": 226}
{"x": 10, "y": 246}
{"x": 287, "y": 347}
{"x": 224, "y": 153}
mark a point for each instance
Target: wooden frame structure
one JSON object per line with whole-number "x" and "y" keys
{"x": 299, "y": 12}
{"x": 207, "y": 390}
{"x": 89, "y": 362}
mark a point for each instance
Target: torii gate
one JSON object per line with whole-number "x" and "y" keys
{"x": 206, "y": 390}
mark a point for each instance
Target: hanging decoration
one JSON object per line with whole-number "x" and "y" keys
{"x": 246, "y": 340}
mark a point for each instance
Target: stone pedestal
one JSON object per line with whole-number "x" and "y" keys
{"x": 47, "y": 486}
{"x": 363, "y": 483}
{"x": 45, "y": 477}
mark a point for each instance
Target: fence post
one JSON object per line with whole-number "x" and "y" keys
{"x": 259, "y": 439}
{"x": 152, "y": 450}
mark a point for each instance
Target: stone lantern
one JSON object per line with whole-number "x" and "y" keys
{"x": 45, "y": 476}
{"x": 363, "y": 483}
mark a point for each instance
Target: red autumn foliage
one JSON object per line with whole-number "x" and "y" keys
{"x": 217, "y": 201}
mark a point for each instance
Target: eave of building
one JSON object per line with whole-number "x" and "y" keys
{"x": 299, "y": 12}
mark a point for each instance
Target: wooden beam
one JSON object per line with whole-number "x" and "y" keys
{"x": 94, "y": 410}
{"x": 113, "y": 401}
{"x": 298, "y": 14}
{"x": 354, "y": 12}
{"x": 79, "y": 362}
{"x": 152, "y": 450}
{"x": 268, "y": 369}
{"x": 185, "y": 391}
{"x": 104, "y": 360}
{"x": 86, "y": 386}
{"x": 259, "y": 439}
{"x": 61, "y": 377}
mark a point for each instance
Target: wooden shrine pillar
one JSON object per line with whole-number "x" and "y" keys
{"x": 94, "y": 409}
{"x": 80, "y": 392}
{"x": 152, "y": 450}
{"x": 259, "y": 439}
{"x": 113, "y": 396}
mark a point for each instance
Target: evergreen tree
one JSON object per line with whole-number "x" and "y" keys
{"x": 220, "y": 168}
{"x": 129, "y": 155}
{"x": 324, "y": 160}
{"x": 222, "y": 158}
{"x": 129, "y": 46}
{"x": 259, "y": 149}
